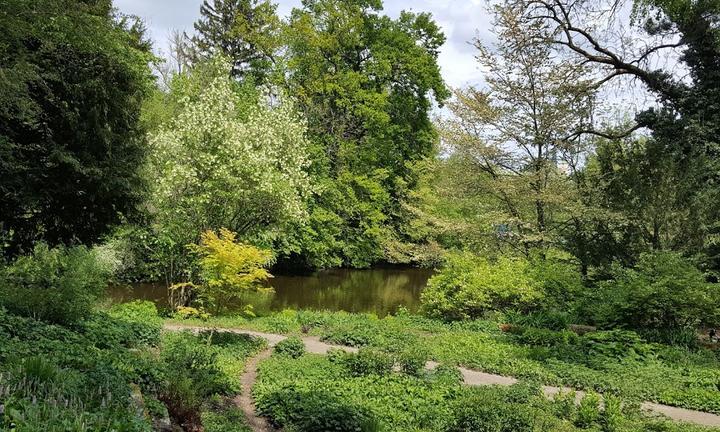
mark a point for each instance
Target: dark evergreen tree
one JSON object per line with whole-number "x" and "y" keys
{"x": 73, "y": 79}
{"x": 246, "y": 31}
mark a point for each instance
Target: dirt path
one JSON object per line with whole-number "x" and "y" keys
{"x": 244, "y": 400}
{"x": 471, "y": 377}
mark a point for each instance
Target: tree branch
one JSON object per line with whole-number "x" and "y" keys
{"x": 610, "y": 136}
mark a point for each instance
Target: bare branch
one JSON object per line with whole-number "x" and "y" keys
{"x": 610, "y": 136}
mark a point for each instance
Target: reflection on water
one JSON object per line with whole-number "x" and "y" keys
{"x": 380, "y": 290}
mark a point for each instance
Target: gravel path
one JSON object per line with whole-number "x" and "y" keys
{"x": 472, "y": 377}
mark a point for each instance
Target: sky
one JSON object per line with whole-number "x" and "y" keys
{"x": 461, "y": 20}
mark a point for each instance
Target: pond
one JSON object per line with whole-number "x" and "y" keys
{"x": 378, "y": 290}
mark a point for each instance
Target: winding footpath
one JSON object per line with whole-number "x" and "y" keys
{"x": 471, "y": 377}
{"x": 244, "y": 400}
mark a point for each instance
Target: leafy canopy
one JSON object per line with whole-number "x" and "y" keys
{"x": 469, "y": 286}
{"x": 366, "y": 84}
{"x": 74, "y": 78}
{"x": 227, "y": 157}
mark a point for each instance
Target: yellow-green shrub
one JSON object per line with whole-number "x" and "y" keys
{"x": 468, "y": 286}
{"x": 229, "y": 268}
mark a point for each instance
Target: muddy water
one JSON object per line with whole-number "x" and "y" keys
{"x": 379, "y": 290}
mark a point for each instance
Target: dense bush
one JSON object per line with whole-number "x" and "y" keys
{"x": 485, "y": 410}
{"x": 59, "y": 285}
{"x": 468, "y": 286}
{"x": 314, "y": 411}
{"x": 229, "y": 268}
{"x": 663, "y": 292}
{"x": 293, "y": 347}
{"x": 351, "y": 333}
{"x": 412, "y": 360}
{"x": 367, "y": 361}
{"x": 193, "y": 375}
{"x": 561, "y": 282}
{"x": 129, "y": 324}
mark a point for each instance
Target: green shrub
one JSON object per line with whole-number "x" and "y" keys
{"x": 193, "y": 375}
{"x": 292, "y": 347}
{"x": 229, "y": 268}
{"x": 663, "y": 292}
{"x": 559, "y": 279}
{"x": 681, "y": 337}
{"x": 484, "y": 410}
{"x": 59, "y": 285}
{"x": 412, "y": 360}
{"x": 564, "y": 405}
{"x": 314, "y": 411}
{"x": 130, "y": 325}
{"x": 523, "y": 392}
{"x": 611, "y": 416}
{"x": 142, "y": 320}
{"x": 616, "y": 344}
{"x": 447, "y": 374}
{"x": 589, "y": 411}
{"x": 367, "y": 361}
{"x": 468, "y": 286}
{"x": 351, "y": 333}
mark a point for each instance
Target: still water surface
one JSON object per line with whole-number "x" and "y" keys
{"x": 379, "y": 290}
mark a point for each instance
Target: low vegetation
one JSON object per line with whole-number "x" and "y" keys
{"x": 115, "y": 371}
{"x": 614, "y": 362}
{"x": 313, "y": 393}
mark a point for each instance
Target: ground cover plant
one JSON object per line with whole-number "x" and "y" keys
{"x": 611, "y": 362}
{"x": 116, "y": 371}
{"x": 59, "y": 379}
{"x": 574, "y": 232}
{"x": 311, "y": 393}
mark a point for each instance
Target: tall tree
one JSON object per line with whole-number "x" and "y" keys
{"x": 686, "y": 120}
{"x": 245, "y": 31}
{"x": 74, "y": 75}
{"x": 224, "y": 159}
{"x": 517, "y": 131}
{"x": 366, "y": 83}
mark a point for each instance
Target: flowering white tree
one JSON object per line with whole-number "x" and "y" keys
{"x": 223, "y": 162}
